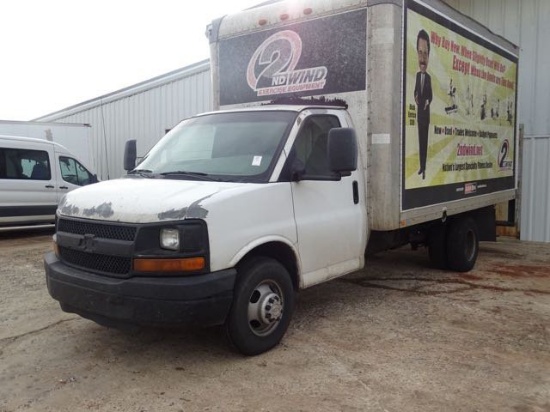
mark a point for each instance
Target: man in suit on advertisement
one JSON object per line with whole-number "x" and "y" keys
{"x": 423, "y": 97}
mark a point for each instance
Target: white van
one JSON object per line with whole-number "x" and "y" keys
{"x": 34, "y": 176}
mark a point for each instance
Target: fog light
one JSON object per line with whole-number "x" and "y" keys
{"x": 170, "y": 239}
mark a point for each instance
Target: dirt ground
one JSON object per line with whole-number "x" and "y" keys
{"x": 395, "y": 337}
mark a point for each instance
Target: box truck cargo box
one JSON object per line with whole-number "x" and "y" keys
{"x": 343, "y": 127}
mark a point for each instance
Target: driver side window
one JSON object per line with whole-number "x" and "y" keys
{"x": 309, "y": 155}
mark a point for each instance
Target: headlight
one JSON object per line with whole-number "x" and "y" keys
{"x": 170, "y": 239}
{"x": 173, "y": 249}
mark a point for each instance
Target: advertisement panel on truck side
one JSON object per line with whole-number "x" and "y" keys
{"x": 460, "y": 97}
{"x": 320, "y": 56}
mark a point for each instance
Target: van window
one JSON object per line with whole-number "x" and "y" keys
{"x": 72, "y": 171}
{"x": 24, "y": 164}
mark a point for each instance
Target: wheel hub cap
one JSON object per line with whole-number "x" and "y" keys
{"x": 271, "y": 308}
{"x": 265, "y": 309}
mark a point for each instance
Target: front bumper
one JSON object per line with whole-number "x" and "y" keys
{"x": 202, "y": 300}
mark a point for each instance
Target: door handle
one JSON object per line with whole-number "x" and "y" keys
{"x": 63, "y": 187}
{"x": 49, "y": 186}
{"x": 355, "y": 192}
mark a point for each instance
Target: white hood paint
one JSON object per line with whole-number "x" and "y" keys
{"x": 240, "y": 216}
{"x": 136, "y": 200}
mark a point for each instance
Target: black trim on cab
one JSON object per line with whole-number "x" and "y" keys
{"x": 108, "y": 248}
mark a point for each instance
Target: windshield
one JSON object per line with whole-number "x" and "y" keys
{"x": 239, "y": 147}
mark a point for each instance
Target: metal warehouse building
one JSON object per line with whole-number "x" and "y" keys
{"x": 145, "y": 111}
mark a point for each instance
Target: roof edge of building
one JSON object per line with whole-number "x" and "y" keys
{"x": 128, "y": 91}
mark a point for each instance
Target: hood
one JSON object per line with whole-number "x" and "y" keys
{"x": 139, "y": 200}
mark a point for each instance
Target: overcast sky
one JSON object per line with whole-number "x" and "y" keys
{"x": 57, "y": 53}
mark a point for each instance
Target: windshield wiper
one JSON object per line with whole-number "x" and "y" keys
{"x": 199, "y": 175}
{"x": 142, "y": 173}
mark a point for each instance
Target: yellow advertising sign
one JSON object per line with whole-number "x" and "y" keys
{"x": 460, "y": 110}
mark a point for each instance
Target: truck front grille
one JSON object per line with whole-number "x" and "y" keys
{"x": 107, "y": 231}
{"x": 87, "y": 245}
{"x": 116, "y": 265}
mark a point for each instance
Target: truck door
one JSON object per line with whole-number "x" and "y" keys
{"x": 27, "y": 182}
{"x": 330, "y": 217}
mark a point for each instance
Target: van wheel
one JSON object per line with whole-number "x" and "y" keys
{"x": 263, "y": 302}
{"x": 437, "y": 246}
{"x": 462, "y": 244}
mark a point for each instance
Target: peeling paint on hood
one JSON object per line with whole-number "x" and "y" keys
{"x": 103, "y": 210}
{"x": 144, "y": 200}
{"x": 194, "y": 211}
{"x": 68, "y": 210}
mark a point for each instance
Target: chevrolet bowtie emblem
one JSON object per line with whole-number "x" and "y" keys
{"x": 87, "y": 243}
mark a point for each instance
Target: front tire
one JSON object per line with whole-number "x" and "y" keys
{"x": 263, "y": 303}
{"x": 462, "y": 244}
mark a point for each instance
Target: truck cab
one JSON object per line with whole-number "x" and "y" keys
{"x": 223, "y": 221}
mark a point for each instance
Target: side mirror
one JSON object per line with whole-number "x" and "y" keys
{"x": 94, "y": 179}
{"x": 130, "y": 155}
{"x": 342, "y": 150}
{"x": 298, "y": 170}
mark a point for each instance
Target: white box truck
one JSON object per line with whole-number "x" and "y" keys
{"x": 344, "y": 127}
{"x": 76, "y": 137}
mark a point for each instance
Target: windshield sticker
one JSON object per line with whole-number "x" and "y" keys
{"x": 257, "y": 161}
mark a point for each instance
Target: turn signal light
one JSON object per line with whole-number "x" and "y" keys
{"x": 169, "y": 265}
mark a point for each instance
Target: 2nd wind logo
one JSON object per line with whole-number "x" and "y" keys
{"x": 272, "y": 68}
{"x": 503, "y": 162}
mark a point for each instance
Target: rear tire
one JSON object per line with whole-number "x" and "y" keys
{"x": 462, "y": 244}
{"x": 263, "y": 303}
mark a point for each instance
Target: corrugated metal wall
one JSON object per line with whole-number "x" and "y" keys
{"x": 525, "y": 23}
{"x": 143, "y": 112}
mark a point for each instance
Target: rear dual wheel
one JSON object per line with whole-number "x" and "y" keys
{"x": 454, "y": 246}
{"x": 462, "y": 244}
